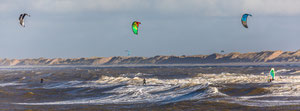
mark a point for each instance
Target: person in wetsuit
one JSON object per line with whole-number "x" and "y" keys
{"x": 144, "y": 81}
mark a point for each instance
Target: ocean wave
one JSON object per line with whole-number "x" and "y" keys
{"x": 245, "y": 89}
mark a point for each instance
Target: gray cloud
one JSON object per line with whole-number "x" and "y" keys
{"x": 203, "y": 7}
{"x": 83, "y": 28}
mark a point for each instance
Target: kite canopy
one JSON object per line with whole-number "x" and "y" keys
{"x": 244, "y": 20}
{"x": 135, "y": 27}
{"x": 21, "y": 19}
{"x": 272, "y": 73}
{"x": 128, "y": 52}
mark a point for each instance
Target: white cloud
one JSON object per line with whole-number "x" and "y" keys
{"x": 202, "y": 7}
{"x": 231, "y": 7}
{"x": 87, "y": 5}
{"x": 282, "y": 7}
{"x": 6, "y": 6}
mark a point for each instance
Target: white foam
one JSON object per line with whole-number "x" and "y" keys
{"x": 173, "y": 90}
{"x": 283, "y": 86}
{"x": 68, "y": 84}
{"x": 156, "y": 90}
{"x": 76, "y": 84}
{"x": 11, "y": 84}
{"x": 267, "y": 102}
{"x": 282, "y": 70}
{"x": 151, "y": 81}
{"x": 139, "y": 94}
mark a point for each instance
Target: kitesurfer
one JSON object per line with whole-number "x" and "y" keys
{"x": 272, "y": 74}
{"x": 42, "y": 80}
{"x": 144, "y": 81}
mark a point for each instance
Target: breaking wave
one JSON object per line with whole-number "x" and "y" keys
{"x": 245, "y": 89}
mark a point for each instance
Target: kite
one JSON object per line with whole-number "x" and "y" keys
{"x": 135, "y": 27}
{"x": 244, "y": 20}
{"x": 21, "y": 19}
{"x": 128, "y": 52}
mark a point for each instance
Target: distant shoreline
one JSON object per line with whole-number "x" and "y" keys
{"x": 259, "y": 64}
{"x": 235, "y": 58}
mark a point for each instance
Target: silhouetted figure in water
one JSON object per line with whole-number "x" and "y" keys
{"x": 42, "y": 80}
{"x": 270, "y": 80}
{"x": 144, "y": 81}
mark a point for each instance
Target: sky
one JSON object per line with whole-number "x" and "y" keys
{"x": 102, "y": 28}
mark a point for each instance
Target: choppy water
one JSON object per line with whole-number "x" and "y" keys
{"x": 121, "y": 87}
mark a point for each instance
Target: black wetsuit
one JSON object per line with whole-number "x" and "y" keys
{"x": 144, "y": 83}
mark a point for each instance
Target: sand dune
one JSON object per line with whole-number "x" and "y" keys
{"x": 234, "y": 57}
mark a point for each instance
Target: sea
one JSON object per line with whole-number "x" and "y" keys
{"x": 166, "y": 87}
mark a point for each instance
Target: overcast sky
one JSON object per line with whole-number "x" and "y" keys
{"x": 86, "y": 28}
